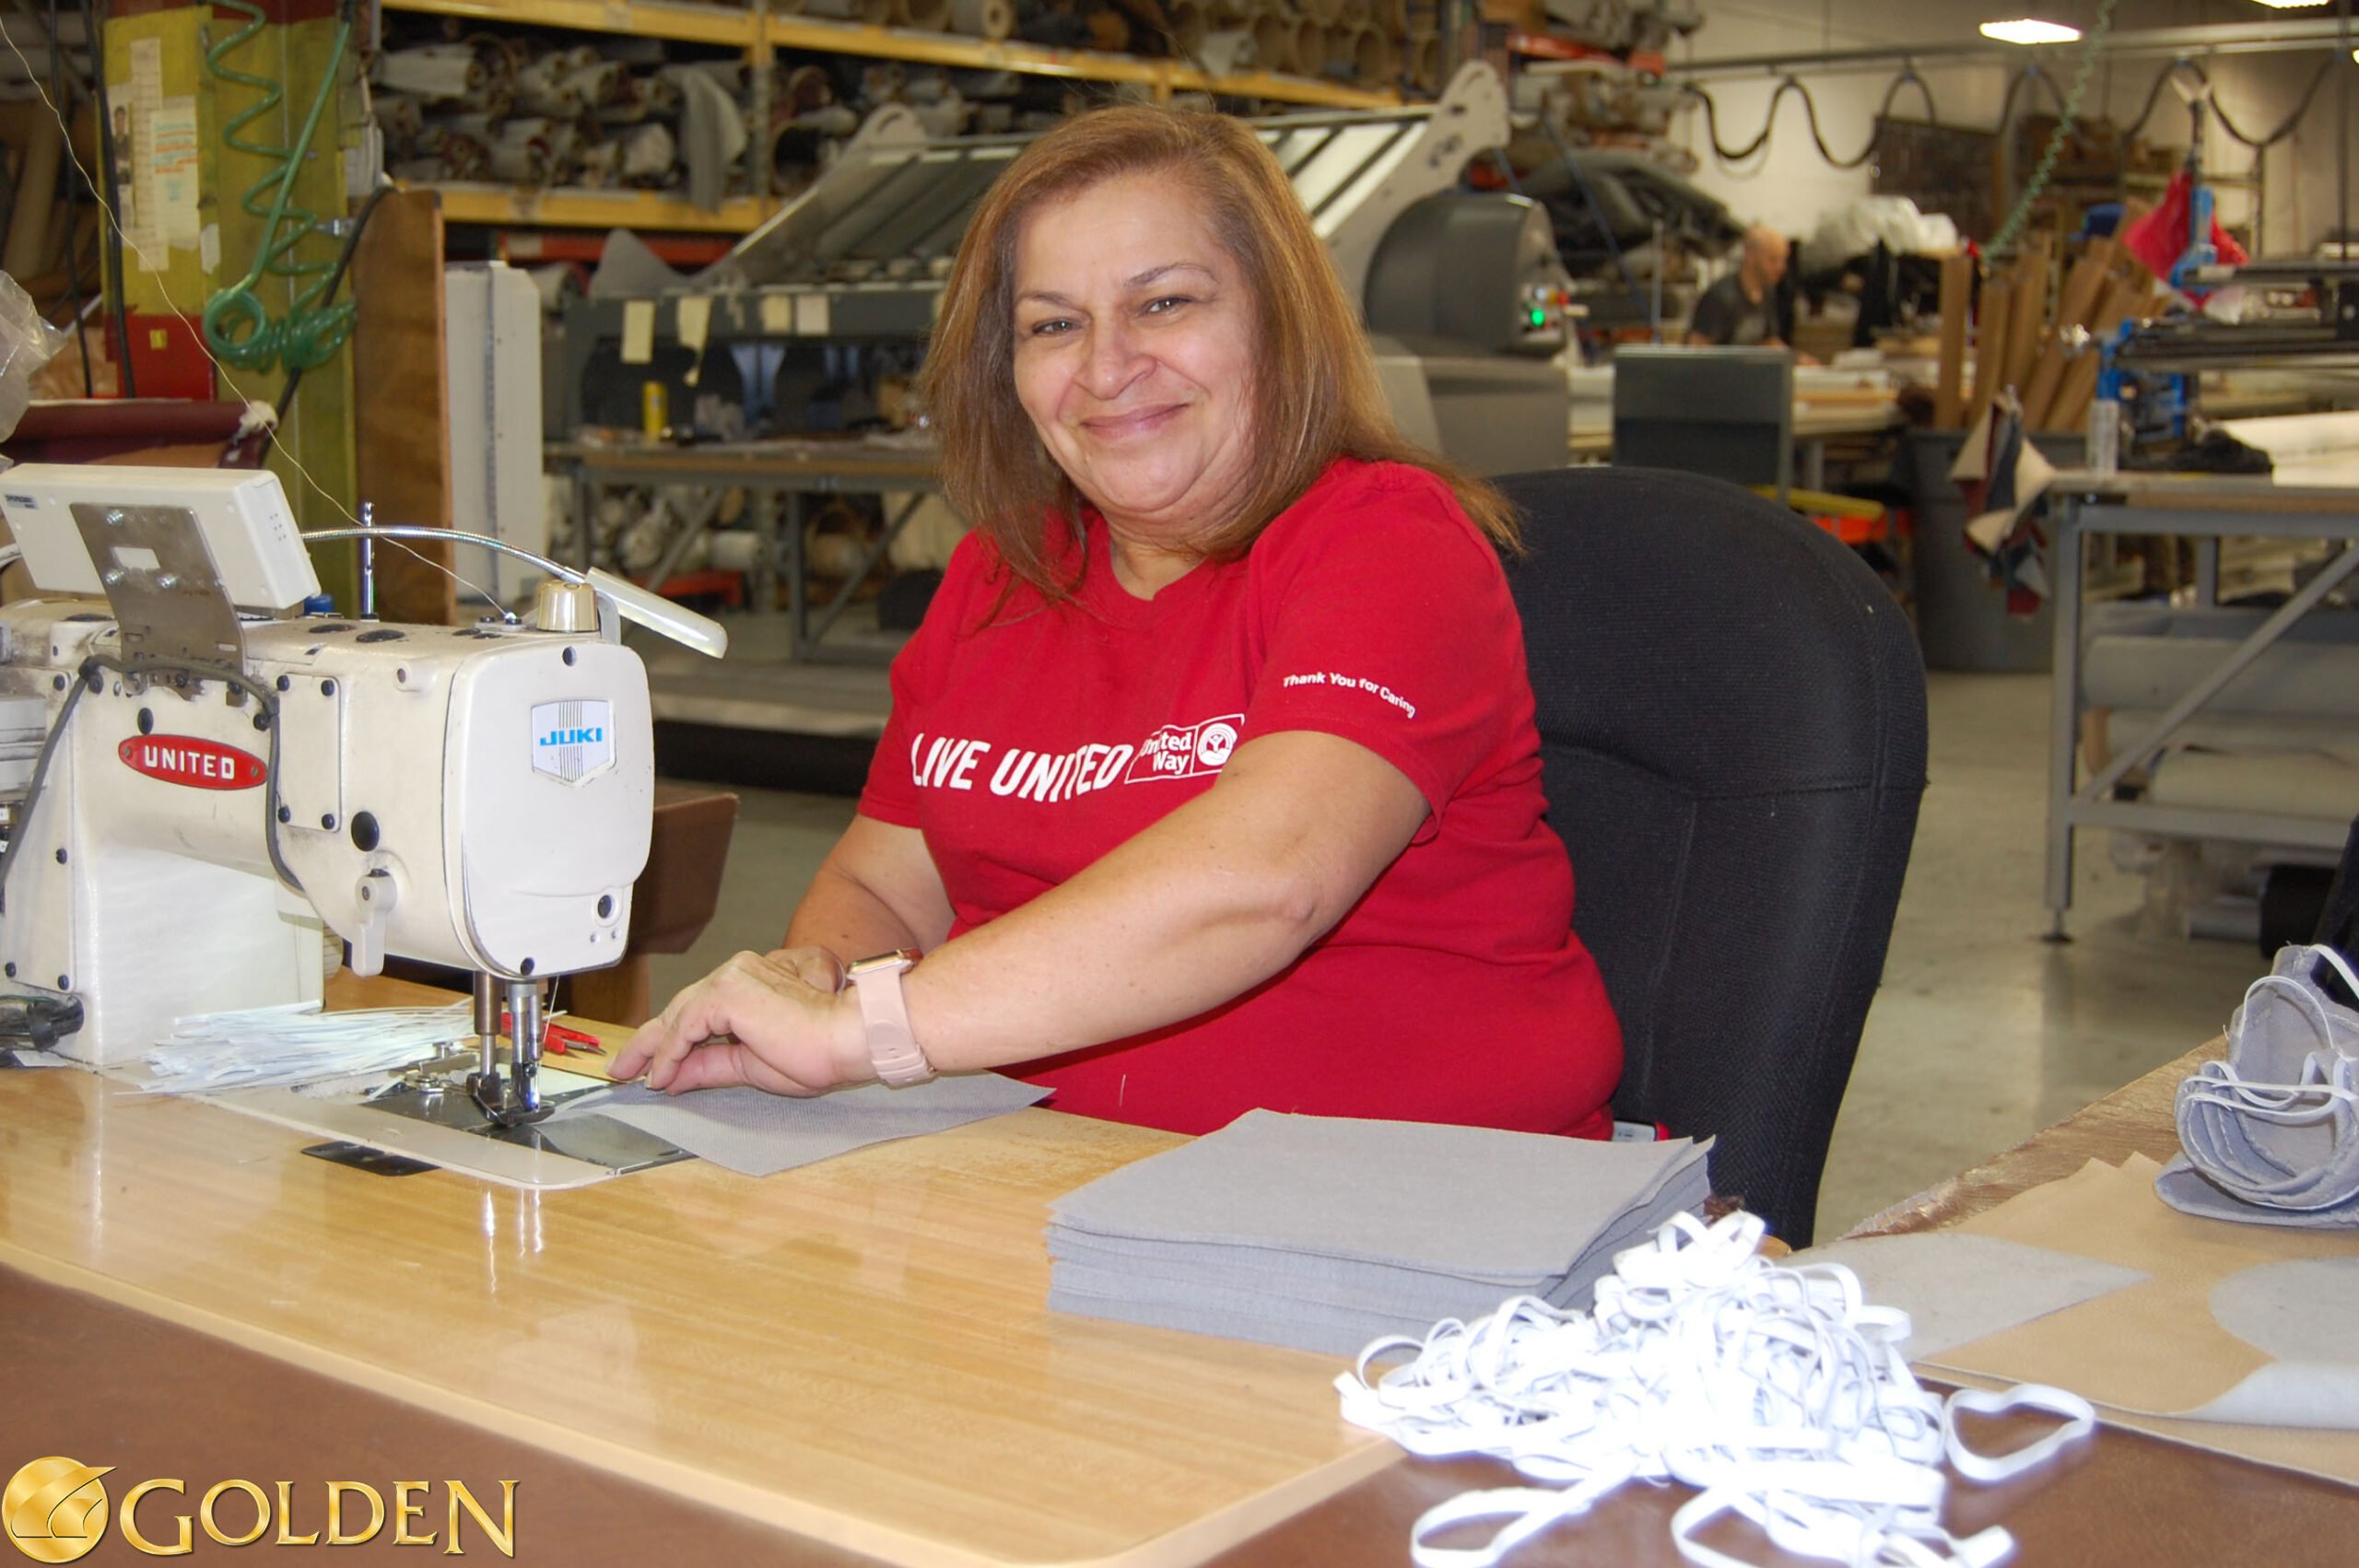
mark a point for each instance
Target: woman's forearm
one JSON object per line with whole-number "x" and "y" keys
{"x": 1203, "y": 907}
{"x": 877, "y": 890}
{"x": 846, "y": 919}
{"x": 1195, "y": 911}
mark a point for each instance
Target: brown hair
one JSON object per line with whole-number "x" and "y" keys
{"x": 1312, "y": 360}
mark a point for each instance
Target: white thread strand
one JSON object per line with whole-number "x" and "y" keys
{"x": 1776, "y": 1390}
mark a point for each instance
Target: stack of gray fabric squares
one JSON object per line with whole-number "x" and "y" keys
{"x": 1324, "y": 1233}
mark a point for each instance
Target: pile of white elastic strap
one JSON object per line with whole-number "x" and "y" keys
{"x": 2277, "y": 1124}
{"x": 1774, "y": 1390}
{"x": 297, "y": 1043}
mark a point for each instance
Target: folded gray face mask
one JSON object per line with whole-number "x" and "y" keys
{"x": 2277, "y": 1124}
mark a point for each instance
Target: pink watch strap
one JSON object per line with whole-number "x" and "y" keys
{"x": 892, "y": 1049}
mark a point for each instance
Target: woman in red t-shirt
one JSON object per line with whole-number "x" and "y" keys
{"x": 1211, "y": 781}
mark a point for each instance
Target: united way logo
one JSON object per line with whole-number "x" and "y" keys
{"x": 1186, "y": 751}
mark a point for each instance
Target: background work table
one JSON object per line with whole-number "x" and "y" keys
{"x": 652, "y": 1357}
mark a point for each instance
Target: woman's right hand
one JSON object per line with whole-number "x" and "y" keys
{"x": 758, "y": 1020}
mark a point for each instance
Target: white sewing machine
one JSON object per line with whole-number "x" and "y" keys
{"x": 226, "y": 774}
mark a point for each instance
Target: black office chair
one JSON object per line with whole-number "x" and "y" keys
{"x": 1732, "y": 714}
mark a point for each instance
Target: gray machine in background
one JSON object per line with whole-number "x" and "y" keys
{"x": 1465, "y": 308}
{"x": 1462, "y": 292}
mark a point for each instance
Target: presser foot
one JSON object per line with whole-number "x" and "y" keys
{"x": 494, "y": 1097}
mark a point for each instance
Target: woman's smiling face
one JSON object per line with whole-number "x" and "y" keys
{"x": 1135, "y": 356}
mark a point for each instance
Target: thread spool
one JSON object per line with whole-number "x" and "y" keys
{"x": 992, "y": 19}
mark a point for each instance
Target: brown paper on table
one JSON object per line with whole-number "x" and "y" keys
{"x": 2147, "y": 1353}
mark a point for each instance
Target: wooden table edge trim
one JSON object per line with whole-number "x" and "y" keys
{"x": 753, "y": 1502}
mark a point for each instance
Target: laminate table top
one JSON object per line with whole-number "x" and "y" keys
{"x": 845, "y": 1364}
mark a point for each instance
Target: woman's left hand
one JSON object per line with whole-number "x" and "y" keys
{"x": 754, "y": 1021}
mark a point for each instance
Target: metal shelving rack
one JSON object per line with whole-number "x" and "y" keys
{"x": 759, "y": 33}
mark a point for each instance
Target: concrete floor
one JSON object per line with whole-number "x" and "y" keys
{"x": 1982, "y": 1035}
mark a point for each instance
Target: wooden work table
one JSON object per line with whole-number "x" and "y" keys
{"x": 859, "y": 1352}
{"x": 682, "y": 1365}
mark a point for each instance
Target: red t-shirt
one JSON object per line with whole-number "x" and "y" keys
{"x": 1027, "y": 744}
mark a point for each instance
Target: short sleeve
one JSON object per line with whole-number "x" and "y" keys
{"x": 890, "y": 794}
{"x": 1387, "y": 621}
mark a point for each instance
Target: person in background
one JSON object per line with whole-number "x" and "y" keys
{"x": 1742, "y": 308}
{"x": 1211, "y": 782}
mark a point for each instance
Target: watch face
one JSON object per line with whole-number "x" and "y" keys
{"x": 884, "y": 963}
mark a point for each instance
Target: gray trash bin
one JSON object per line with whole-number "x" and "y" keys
{"x": 1962, "y": 620}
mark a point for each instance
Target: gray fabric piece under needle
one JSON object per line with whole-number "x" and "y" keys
{"x": 1471, "y": 1202}
{"x": 754, "y": 1133}
{"x": 1958, "y": 1287}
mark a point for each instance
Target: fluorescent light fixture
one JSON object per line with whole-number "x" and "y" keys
{"x": 2027, "y": 30}
{"x": 2291, "y": 5}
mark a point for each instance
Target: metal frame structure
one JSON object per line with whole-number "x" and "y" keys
{"x": 2206, "y": 509}
{"x": 778, "y": 476}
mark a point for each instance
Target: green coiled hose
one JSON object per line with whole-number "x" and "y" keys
{"x": 239, "y": 328}
{"x": 2057, "y": 138}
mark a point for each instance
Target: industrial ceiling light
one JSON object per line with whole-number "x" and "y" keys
{"x": 2291, "y": 5}
{"x": 2029, "y": 29}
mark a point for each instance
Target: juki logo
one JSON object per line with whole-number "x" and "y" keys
{"x": 573, "y": 741}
